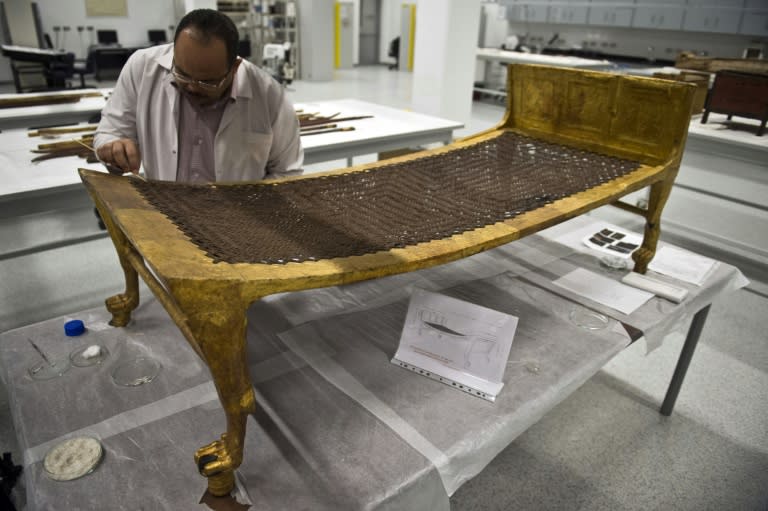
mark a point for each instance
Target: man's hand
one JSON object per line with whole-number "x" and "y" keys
{"x": 120, "y": 156}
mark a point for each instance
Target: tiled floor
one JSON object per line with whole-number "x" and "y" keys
{"x": 604, "y": 448}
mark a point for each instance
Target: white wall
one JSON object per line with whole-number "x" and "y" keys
{"x": 496, "y": 25}
{"x": 21, "y": 23}
{"x": 316, "y": 40}
{"x": 390, "y": 25}
{"x": 444, "y": 57}
{"x": 355, "y": 29}
{"x": 143, "y": 15}
{"x": 184, "y": 6}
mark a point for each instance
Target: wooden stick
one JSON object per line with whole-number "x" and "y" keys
{"x": 319, "y": 132}
{"x": 49, "y": 99}
{"x": 316, "y": 117}
{"x": 65, "y": 143}
{"x": 74, "y": 151}
{"x": 313, "y": 122}
{"x": 58, "y": 131}
{"x": 321, "y": 127}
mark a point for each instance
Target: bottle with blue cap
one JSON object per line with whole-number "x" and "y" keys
{"x": 74, "y": 328}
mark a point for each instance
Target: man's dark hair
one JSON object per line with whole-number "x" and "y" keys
{"x": 212, "y": 23}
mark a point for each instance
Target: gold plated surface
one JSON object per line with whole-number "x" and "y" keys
{"x": 641, "y": 119}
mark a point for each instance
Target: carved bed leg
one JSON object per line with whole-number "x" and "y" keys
{"x": 121, "y": 305}
{"x": 221, "y": 337}
{"x": 658, "y": 197}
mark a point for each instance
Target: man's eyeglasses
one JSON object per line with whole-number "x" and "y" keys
{"x": 211, "y": 85}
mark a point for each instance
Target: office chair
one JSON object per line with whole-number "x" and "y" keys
{"x": 82, "y": 67}
{"x": 394, "y": 51}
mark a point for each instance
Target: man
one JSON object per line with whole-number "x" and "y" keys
{"x": 193, "y": 111}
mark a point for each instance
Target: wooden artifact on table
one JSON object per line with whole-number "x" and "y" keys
{"x": 61, "y": 130}
{"x": 318, "y": 127}
{"x": 326, "y": 129}
{"x": 309, "y": 120}
{"x": 314, "y": 124}
{"x": 82, "y": 147}
{"x": 699, "y": 79}
{"x": 45, "y": 99}
{"x": 688, "y": 60}
{"x": 739, "y": 94}
{"x": 571, "y": 141}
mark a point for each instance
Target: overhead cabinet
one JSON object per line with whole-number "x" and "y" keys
{"x": 611, "y": 16}
{"x": 533, "y": 12}
{"x": 568, "y": 13}
{"x": 707, "y": 19}
{"x": 658, "y": 17}
{"x": 747, "y": 17}
{"x": 755, "y": 22}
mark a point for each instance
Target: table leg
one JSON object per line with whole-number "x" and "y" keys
{"x": 694, "y": 332}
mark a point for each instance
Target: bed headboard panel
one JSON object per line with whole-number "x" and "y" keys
{"x": 642, "y": 118}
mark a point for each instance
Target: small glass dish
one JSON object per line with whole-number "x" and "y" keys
{"x": 89, "y": 355}
{"x": 587, "y": 319}
{"x": 45, "y": 370}
{"x": 533, "y": 367}
{"x": 615, "y": 263}
{"x": 136, "y": 371}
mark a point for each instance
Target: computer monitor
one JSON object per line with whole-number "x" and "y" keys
{"x": 156, "y": 36}
{"x": 244, "y": 48}
{"x": 106, "y": 36}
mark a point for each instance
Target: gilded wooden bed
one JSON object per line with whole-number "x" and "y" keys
{"x": 570, "y": 141}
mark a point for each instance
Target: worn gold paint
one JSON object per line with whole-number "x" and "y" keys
{"x": 639, "y": 118}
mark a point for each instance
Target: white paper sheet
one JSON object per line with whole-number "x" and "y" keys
{"x": 456, "y": 340}
{"x": 682, "y": 265}
{"x": 603, "y": 290}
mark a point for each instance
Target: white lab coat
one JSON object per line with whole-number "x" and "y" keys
{"x": 258, "y": 136}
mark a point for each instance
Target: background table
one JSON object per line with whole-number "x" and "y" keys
{"x": 517, "y": 57}
{"x": 23, "y": 179}
{"x": 338, "y": 426}
{"x": 388, "y": 129}
{"x": 47, "y": 115}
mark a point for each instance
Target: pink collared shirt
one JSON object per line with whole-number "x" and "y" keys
{"x": 197, "y": 131}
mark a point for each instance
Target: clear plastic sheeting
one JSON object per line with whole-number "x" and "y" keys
{"x": 658, "y": 317}
{"x": 338, "y": 426}
{"x": 458, "y": 433}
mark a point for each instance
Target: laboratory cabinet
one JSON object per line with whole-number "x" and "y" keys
{"x": 707, "y": 19}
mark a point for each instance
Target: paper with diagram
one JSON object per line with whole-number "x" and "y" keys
{"x": 458, "y": 343}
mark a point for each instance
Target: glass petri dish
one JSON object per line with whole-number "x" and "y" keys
{"x": 615, "y": 263}
{"x": 533, "y": 367}
{"x": 45, "y": 371}
{"x": 136, "y": 371}
{"x": 73, "y": 458}
{"x": 587, "y": 319}
{"x": 90, "y": 355}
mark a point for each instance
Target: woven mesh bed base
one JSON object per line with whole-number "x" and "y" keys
{"x": 390, "y": 206}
